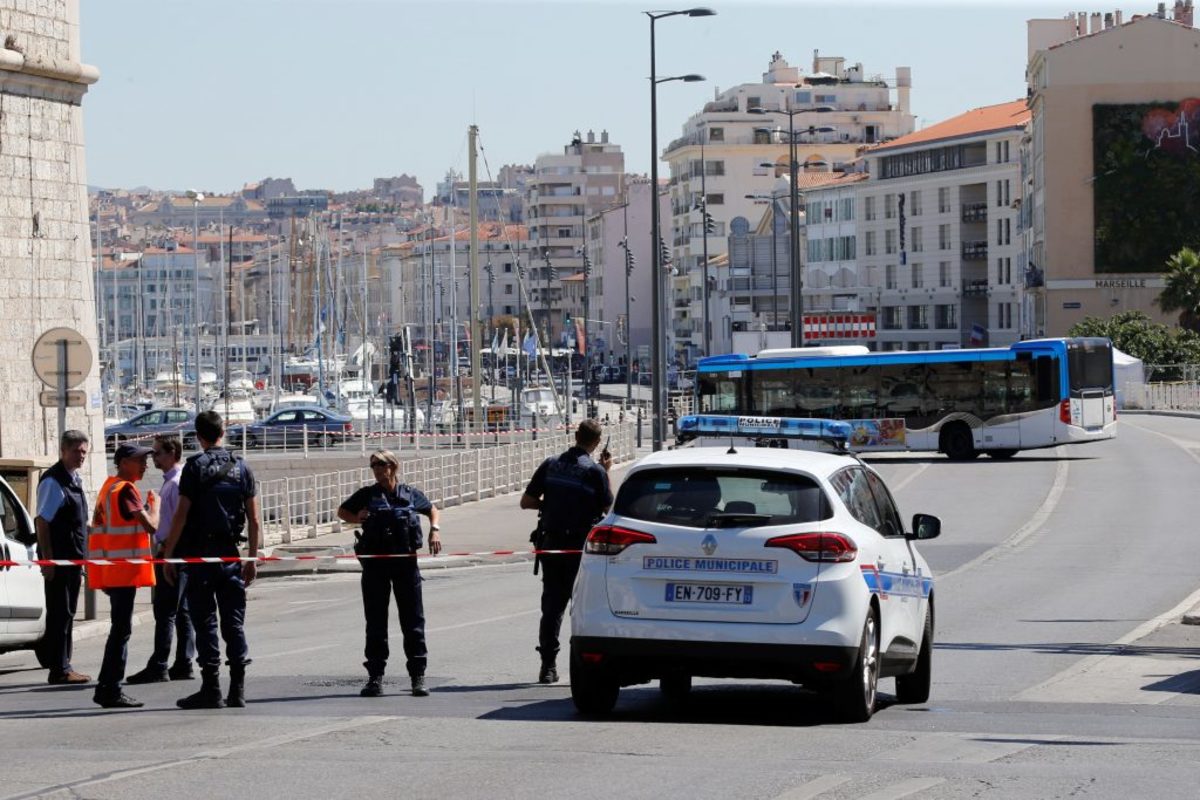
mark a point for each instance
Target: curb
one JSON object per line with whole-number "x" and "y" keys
{"x": 1192, "y": 617}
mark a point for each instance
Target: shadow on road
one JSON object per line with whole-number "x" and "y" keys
{"x": 706, "y": 705}
{"x": 1075, "y": 648}
{"x": 1185, "y": 683}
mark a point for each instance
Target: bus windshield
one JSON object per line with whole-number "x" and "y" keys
{"x": 1089, "y": 364}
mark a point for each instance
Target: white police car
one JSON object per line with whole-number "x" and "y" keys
{"x": 22, "y": 592}
{"x": 751, "y": 561}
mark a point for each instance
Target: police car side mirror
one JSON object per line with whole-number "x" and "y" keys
{"x": 925, "y": 526}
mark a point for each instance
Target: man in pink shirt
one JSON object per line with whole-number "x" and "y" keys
{"x": 171, "y": 618}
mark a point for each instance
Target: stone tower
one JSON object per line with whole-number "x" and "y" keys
{"x": 45, "y": 251}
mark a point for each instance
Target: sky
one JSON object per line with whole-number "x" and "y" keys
{"x": 212, "y": 94}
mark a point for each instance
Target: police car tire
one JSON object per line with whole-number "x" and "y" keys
{"x": 675, "y": 687}
{"x": 854, "y": 698}
{"x": 914, "y": 687}
{"x": 593, "y": 690}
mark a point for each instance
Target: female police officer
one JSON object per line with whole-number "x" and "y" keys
{"x": 387, "y": 511}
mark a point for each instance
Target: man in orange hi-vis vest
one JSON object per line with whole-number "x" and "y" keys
{"x": 121, "y": 528}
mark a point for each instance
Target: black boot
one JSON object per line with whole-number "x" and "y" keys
{"x": 209, "y": 695}
{"x": 373, "y": 687}
{"x": 237, "y": 686}
{"x": 549, "y": 671}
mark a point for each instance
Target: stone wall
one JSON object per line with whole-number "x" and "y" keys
{"x": 45, "y": 249}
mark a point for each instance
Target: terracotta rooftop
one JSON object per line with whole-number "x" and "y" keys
{"x": 985, "y": 119}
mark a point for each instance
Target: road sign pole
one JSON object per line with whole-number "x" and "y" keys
{"x": 62, "y": 345}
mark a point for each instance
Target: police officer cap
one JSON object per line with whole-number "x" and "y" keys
{"x": 131, "y": 451}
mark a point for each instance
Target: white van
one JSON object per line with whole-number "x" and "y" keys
{"x": 22, "y": 596}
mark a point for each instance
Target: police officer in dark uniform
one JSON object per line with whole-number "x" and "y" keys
{"x": 387, "y": 511}
{"x": 571, "y": 493}
{"x": 216, "y": 502}
{"x": 61, "y": 523}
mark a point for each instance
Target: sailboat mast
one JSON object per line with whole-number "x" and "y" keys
{"x": 476, "y": 335}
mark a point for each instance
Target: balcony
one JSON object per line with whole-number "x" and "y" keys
{"x": 974, "y": 212}
{"x": 975, "y": 288}
{"x": 974, "y": 251}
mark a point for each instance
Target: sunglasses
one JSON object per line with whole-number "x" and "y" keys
{"x": 375, "y": 464}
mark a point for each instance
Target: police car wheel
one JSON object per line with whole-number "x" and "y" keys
{"x": 593, "y": 690}
{"x": 854, "y": 698}
{"x": 914, "y": 687}
{"x": 675, "y": 687}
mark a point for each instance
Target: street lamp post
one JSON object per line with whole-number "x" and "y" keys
{"x": 197, "y": 198}
{"x": 706, "y": 222}
{"x": 797, "y": 287}
{"x": 630, "y": 263}
{"x": 587, "y": 308}
{"x": 657, "y": 340}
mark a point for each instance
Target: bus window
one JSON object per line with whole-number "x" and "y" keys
{"x": 1089, "y": 364}
{"x": 774, "y": 394}
{"x": 957, "y": 386}
{"x": 995, "y": 388}
{"x": 718, "y": 394}
{"x": 860, "y": 391}
{"x": 817, "y": 392}
{"x": 1046, "y": 369}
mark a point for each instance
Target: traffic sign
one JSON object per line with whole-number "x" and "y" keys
{"x": 76, "y": 398}
{"x": 46, "y": 351}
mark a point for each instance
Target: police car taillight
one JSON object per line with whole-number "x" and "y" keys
{"x": 608, "y": 540}
{"x": 821, "y": 546}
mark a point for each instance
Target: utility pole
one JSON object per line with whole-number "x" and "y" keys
{"x": 476, "y": 338}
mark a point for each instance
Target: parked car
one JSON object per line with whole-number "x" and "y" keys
{"x": 290, "y": 426}
{"x": 154, "y": 421}
{"x": 443, "y": 415}
{"x": 758, "y": 563}
{"x": 22, "y": 592}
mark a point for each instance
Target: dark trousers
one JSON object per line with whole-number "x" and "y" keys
{"x": 62, "y": 598}
{"x": 558, "y": 579}
{"x": 213, "y": 589}
{"x": 116, "y": 649}
{"x": 381, "y": 579}
{"x": 171, "y": 621}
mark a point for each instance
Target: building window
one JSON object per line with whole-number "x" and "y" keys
{"x": 889, "y": 276}
{"x": 918, "y": 276}
{"x": 714, "y": 167}
{"x": 846, "y": 209}
{"x": 918, "y": 318}
{"x": 869, "y": 210}
{"x": 804, "y": 97}
{"x": 869, "y": 244}
{"x": 716, "y": 200}
{"x": 1004, "y": 316}
{"x": 943, "y": 237}
{"x": 889, "y": 241}
{"x": 944, "y": 200}
{"x": 945, "y": 317}
{"x": 716, "y": 134}
{"x": 826, "y": 98}
{"x": 918, "y": 240}
{"x": 914, "y": 203}
{"x": 889, "y": 206}
{"x": 891, "y": 318}
{"x": 944, "y": 274}
{"x": 753, "y": 102}
{"x": 762, "y": 136}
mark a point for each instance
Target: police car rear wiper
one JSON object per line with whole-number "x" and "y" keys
{"x": 731, "y": 519}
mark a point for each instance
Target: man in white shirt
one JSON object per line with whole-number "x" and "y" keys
{"x": 171, "y": 618}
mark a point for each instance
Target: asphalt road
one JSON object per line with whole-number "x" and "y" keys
{"x": 1060, "y": 671}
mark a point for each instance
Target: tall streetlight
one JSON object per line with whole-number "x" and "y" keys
{"x": 706, "y": 221}
{"x": 797, "y": 287}
{"x": 658, "y": 341}
{"x": 587, "y": 308}
{"x": 197, "y": 199}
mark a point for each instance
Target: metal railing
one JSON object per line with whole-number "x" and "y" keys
{"x": 305, "y": 507}
{"x": 1175, "y": 396}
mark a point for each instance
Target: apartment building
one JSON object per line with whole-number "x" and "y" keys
{"x": 938, "y": 232}
{"x": 562, "y": 193}
{"x": 838, "y": 110}
{"x": 1109, "y": 163}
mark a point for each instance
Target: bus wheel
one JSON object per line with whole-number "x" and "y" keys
{"x": 1001, "y": 454}
{"x": 957, "y": 442}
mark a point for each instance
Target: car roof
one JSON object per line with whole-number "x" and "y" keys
{"x": 810, "y": 461}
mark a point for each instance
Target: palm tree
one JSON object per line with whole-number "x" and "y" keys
{"x": 1182, "y": 290}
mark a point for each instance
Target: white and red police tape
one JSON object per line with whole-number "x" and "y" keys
{"x": 108, "y": 562}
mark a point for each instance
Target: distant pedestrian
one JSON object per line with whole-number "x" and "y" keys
{"x": 121, "y": 528}
{"x": 171, "y": 619}
{"x": 61, "y": 523}
{"x": 571, "y": 493}
{"x": 217, "y": 501}
{"x": 387, "y": 511}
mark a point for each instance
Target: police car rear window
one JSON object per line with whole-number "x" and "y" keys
{"x": 714, "y": 498}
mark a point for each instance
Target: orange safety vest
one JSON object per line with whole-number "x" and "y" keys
{"x": 114, "y": 535}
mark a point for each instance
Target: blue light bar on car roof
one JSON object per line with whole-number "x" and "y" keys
{"x": 825, "y": 430}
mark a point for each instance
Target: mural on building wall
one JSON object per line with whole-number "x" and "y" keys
{"x": 1146, "y": 185}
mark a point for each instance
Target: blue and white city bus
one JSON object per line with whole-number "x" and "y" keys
{"x": 1039, "y": 393}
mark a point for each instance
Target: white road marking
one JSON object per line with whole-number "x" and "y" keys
{"x": 1186, "y": 445}
{"x": 1032, "y": 526}
{"x": 501, "y": 618}
{"x": 814, "y": 788}
{"x": 903, "y": 789}
{"x": 1117, "y": 678}
{"x": 907, "y": 479}
{"x": 262, "y": 744}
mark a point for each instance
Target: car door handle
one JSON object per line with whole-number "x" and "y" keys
{"x": 880, "y": 564}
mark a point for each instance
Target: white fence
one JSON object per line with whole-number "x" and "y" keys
{"x": 305, "y": 507}
{"x": 1175, "y": 396}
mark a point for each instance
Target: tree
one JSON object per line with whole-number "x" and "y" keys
{"x": 1154, "y": 343}
{"x": 1182, "y": 292}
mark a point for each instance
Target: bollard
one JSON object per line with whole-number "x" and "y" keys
{"x": 639, "y": 427}
{"x": 535, "y": 425}
{"x": 304, "y": 434}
